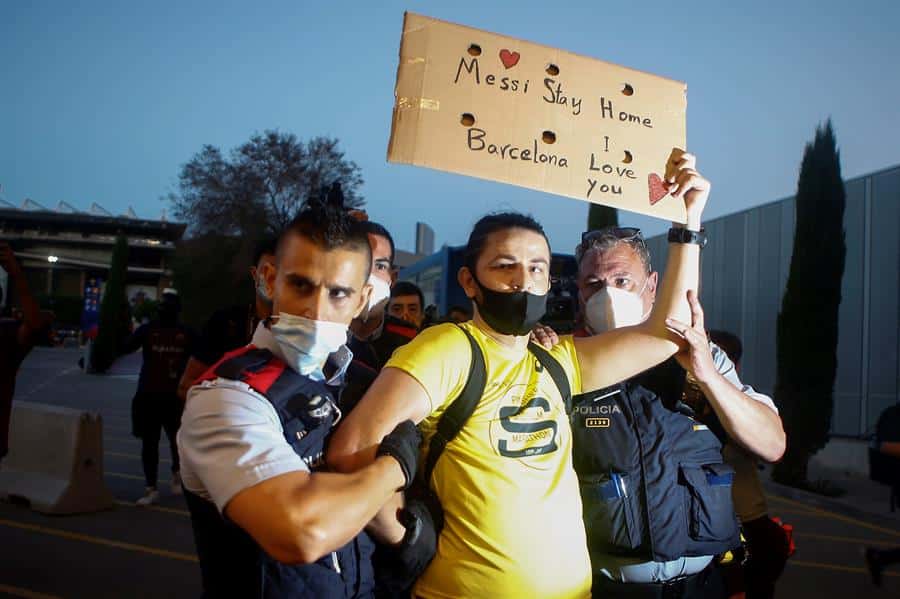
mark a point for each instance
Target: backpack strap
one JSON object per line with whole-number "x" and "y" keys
{"x": 455, "y": 416}
{"x": 555, "y": 369}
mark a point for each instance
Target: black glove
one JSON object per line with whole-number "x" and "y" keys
{"x": 402, "y": 444}
{"x": 397, "y": 567}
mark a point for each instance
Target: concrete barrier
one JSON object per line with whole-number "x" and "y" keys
{"x": 55, "y": 460}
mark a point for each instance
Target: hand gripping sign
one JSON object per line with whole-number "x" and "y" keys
{"x": 489, "y": 106}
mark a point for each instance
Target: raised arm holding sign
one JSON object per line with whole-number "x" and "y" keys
{"x": 498, "y": 108}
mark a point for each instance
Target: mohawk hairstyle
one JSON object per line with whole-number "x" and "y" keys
{"x": 326, "y": 222}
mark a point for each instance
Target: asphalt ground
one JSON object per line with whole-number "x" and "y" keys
{"x": 149, "y": 552}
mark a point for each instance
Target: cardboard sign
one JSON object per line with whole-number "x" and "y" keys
{"x": 489, "y": 106}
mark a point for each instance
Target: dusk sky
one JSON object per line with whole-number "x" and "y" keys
{"x": 103, "y": 101}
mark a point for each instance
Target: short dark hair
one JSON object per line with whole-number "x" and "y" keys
{"x": 373, "y": 228}
{"x": 492, "y": 223}
{"x": 263, "y": 246}
{"x": 329, "y": 226}
{"x": 407, "y": 288}
{"x": 730, "y": 344}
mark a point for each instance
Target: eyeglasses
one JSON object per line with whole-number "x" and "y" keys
{"x": 627, "y": 234}
{"x": 620, "y": 233}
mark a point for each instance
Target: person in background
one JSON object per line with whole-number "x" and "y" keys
{"x": 166, "y": 344}
{"x": 767, "y": 544}
{"x": 231, "y": 328}
{"x": 886, "y": 451}
{"x": 17, "y": 337}
{"x": 375, "y": 333}
{"x": 407, "y": 303}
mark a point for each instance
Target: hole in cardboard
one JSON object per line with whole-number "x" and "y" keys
{"x": 627, "y": 158}
{"x": 552, "y": 70}
{"x": 548, "y": 137}
{"x": 627, "y": 90}
{"x": 475, "y": 50}
{"x": 467, "y": 119}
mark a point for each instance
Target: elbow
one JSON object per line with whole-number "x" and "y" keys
{"x": 776, "y": 449}
{"x": 302, "y": 542}
{"x": 781, "y": 447}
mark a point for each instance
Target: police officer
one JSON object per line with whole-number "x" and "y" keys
{"x": 656, "y": 495}
{"x": 268, "y": 521}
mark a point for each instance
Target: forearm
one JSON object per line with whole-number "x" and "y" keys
{"x": 385, "y": 526}
{"x": 682, "y": 274}
{"x": 752, "y": 424}
{"x": 333, "y": 508}
{"x": 192, "y": 372}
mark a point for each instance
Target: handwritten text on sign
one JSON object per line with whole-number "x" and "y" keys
{"x": 489, "y": 106}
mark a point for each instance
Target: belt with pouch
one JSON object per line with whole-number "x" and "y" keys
{"x": 683, "y": 587}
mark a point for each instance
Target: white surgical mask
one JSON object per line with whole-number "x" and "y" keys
{"x": 612, "y": 308}
{"x": 381, "y": 293}
{"x": 306, "y": 343}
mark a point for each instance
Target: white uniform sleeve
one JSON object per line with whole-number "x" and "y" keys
{"x": 231, "y": 439}
{"x": 726, "y": 368}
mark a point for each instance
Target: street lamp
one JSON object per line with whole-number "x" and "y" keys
{"x": 53, "y": 259}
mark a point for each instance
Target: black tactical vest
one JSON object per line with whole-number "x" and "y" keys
{"x": 653, "y": 483}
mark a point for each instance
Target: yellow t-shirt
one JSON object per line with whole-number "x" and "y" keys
{"x": 512, "y": 509}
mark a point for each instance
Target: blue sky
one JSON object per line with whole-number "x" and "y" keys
{"x": 102, "y": 101}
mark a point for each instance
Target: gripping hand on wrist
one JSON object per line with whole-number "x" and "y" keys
{"x": 402, "y": 444}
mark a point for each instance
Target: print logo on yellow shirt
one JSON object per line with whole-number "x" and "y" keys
{"x": 525, "y": 427}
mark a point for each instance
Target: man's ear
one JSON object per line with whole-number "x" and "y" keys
{"x": 365, "y": 293}
{"x": 652, "y": 282}
{"x": 467, "y": 282}
{"x": 269, "y": 271}
{"x": 253, "y": 274}
{"x": 395, "y": 274}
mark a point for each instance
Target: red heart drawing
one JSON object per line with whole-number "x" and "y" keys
{"x": 658, "y": 189}
{"x": 509, "y": 59}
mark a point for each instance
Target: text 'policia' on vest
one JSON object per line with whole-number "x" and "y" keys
{"x": 231, "y": 563}
{"x": 653, "y": 483}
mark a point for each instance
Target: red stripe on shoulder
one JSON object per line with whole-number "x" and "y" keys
{"x": 210, "y": 373}
{"x": 408, "y": 332}
{"x": 260, "y": 381}
{"x": 263, "y": 379}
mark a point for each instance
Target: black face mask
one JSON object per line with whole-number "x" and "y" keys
{"x": 513, "y": 313}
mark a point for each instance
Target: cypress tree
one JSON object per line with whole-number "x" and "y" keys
{"x": 807, "y": 328}
{"x": 600, "y": 216}
{"x": 114, "y": 317}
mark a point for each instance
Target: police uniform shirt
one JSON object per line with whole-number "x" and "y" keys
{"x": 231, "y": 438}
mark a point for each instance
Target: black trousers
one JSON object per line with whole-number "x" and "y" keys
{"x": 767, "y": 548}
{"x": 151, "y": 413}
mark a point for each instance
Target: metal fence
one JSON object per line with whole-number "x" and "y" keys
{"x": 744, "y": 271}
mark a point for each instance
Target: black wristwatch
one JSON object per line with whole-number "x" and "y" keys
{"x": 682, "y": 235}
